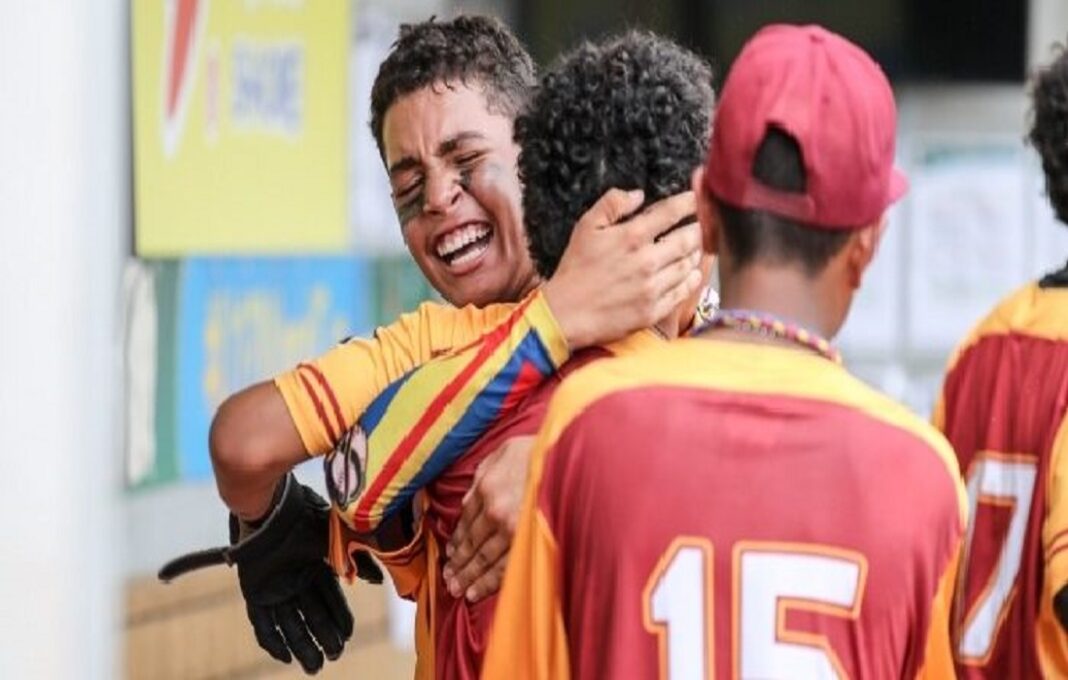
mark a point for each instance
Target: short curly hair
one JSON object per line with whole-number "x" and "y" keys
{"x": 468, "y": 49}
{"x": 1049, "y": 129}
{"x": 631, "y": 112}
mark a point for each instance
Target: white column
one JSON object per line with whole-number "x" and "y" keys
{"x": 64, "y": 217}
{"x": 1047, "y": 25}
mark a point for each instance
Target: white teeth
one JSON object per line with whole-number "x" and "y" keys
{"x": 458, "y": 238}
{"x": 469, "y": 255}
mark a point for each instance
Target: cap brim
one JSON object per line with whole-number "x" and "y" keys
{"x": 899, "y": 186}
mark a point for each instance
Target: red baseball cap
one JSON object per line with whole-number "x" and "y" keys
{"x": 835, "y": 101}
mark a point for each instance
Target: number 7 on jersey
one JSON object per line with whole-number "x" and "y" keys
{"x": 1001, "y": 481}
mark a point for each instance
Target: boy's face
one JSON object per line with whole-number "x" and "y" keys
{"x": 452, "y": 169}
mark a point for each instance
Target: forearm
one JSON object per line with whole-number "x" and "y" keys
{"x": 253, "y": 445}
{"x": 247, "y": 493}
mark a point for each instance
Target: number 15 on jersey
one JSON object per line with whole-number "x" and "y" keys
{"x": 769, "y": 579}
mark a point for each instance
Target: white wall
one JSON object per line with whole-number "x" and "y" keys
{"x": 1048, "y": 25}
{"x": 64, "y": 214}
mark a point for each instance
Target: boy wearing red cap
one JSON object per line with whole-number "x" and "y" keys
{"x": 1004, "y": 407}
{"x": 735, "y": 504}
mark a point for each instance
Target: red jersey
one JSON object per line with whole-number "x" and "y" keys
{"x": 1003, "y": 409}
{"x": 461, "y": 629}
{"x": 719, "y": 509}
{"x": 452, "y": 634}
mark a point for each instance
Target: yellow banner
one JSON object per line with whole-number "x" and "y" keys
{"x": 239, "y": 126}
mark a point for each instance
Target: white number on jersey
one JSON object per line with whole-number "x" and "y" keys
{"x": 678, "y": 609}
{"x": 769, "y": 579}
{"x": 1002, "y": 481}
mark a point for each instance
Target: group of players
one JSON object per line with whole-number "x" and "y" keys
{"x": 711, "y": 494}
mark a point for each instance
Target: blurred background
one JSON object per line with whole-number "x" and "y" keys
{"x": 190, "y": 201}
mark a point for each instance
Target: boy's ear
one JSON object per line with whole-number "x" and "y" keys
{"x": 862, "y": 250}
{"x": 707, "y": 213}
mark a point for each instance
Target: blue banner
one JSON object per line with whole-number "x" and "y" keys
{"x": 243, "y": 320}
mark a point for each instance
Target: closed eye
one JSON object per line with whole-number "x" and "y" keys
{"x": 405, "y": 192}
{"x": 469, "y": 158}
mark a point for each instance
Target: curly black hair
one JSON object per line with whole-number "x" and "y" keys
{"x": 631, "y": 112}
{"x": 1049, "y": 129}
{"x": 468, "y": 49}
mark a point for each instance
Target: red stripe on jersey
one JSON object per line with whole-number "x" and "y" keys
{"x": 1056, "y": 551}
{"x": 528, "y": 375}
{"x": 319, "y": 410}
{"x": 321, "y": 379}
{"x": 444, "y": 399}
{"x": 1057, "y": 537}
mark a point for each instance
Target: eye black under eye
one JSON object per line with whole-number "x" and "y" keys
{"x": 406, "y": 191}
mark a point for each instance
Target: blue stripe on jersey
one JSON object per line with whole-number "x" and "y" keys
{"x": 374, "y": 413}
{"x": 477, "y": 419}
{"x": 538, "y": 355}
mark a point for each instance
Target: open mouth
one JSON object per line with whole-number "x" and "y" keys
{"x": 464, "y": 244}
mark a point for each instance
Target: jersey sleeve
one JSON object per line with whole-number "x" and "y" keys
{"x": 1055, "y": 527}
{"x": 426, "y": 420}
{"x": 327, "y": 395}
{"x": 938, "y": 649}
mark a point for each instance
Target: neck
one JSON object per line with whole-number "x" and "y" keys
{"x": 783, "y": 292}
{"x": 667, "y": 328}
{"x": 527, "y": 288}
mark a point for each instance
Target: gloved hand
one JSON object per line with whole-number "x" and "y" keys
{"x": 293, "y": 598}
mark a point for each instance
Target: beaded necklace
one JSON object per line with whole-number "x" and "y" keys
{"x": 770, "y": 326}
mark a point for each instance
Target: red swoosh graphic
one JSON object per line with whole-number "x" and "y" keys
{"x": 185, "y": 16}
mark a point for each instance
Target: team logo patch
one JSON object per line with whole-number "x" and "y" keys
{"x": 346, "y": 466}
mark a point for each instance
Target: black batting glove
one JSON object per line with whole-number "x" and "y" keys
{"x": 293, "y": 599}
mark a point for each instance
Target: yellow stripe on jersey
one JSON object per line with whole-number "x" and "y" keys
{"x": 1031, "y": 310}
{"x": 745, "y": 368}
{"x": 424, "y": 387}
{"x": 1055, "y": 526}
{"x": 421, "y": 422}
{"x": 528, "y": 640}
{"x": 1051, "y": 638}
{"x": 326, "y": 396}
{"x": 938, "y": 654}
{"x": 635, "y": 342}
